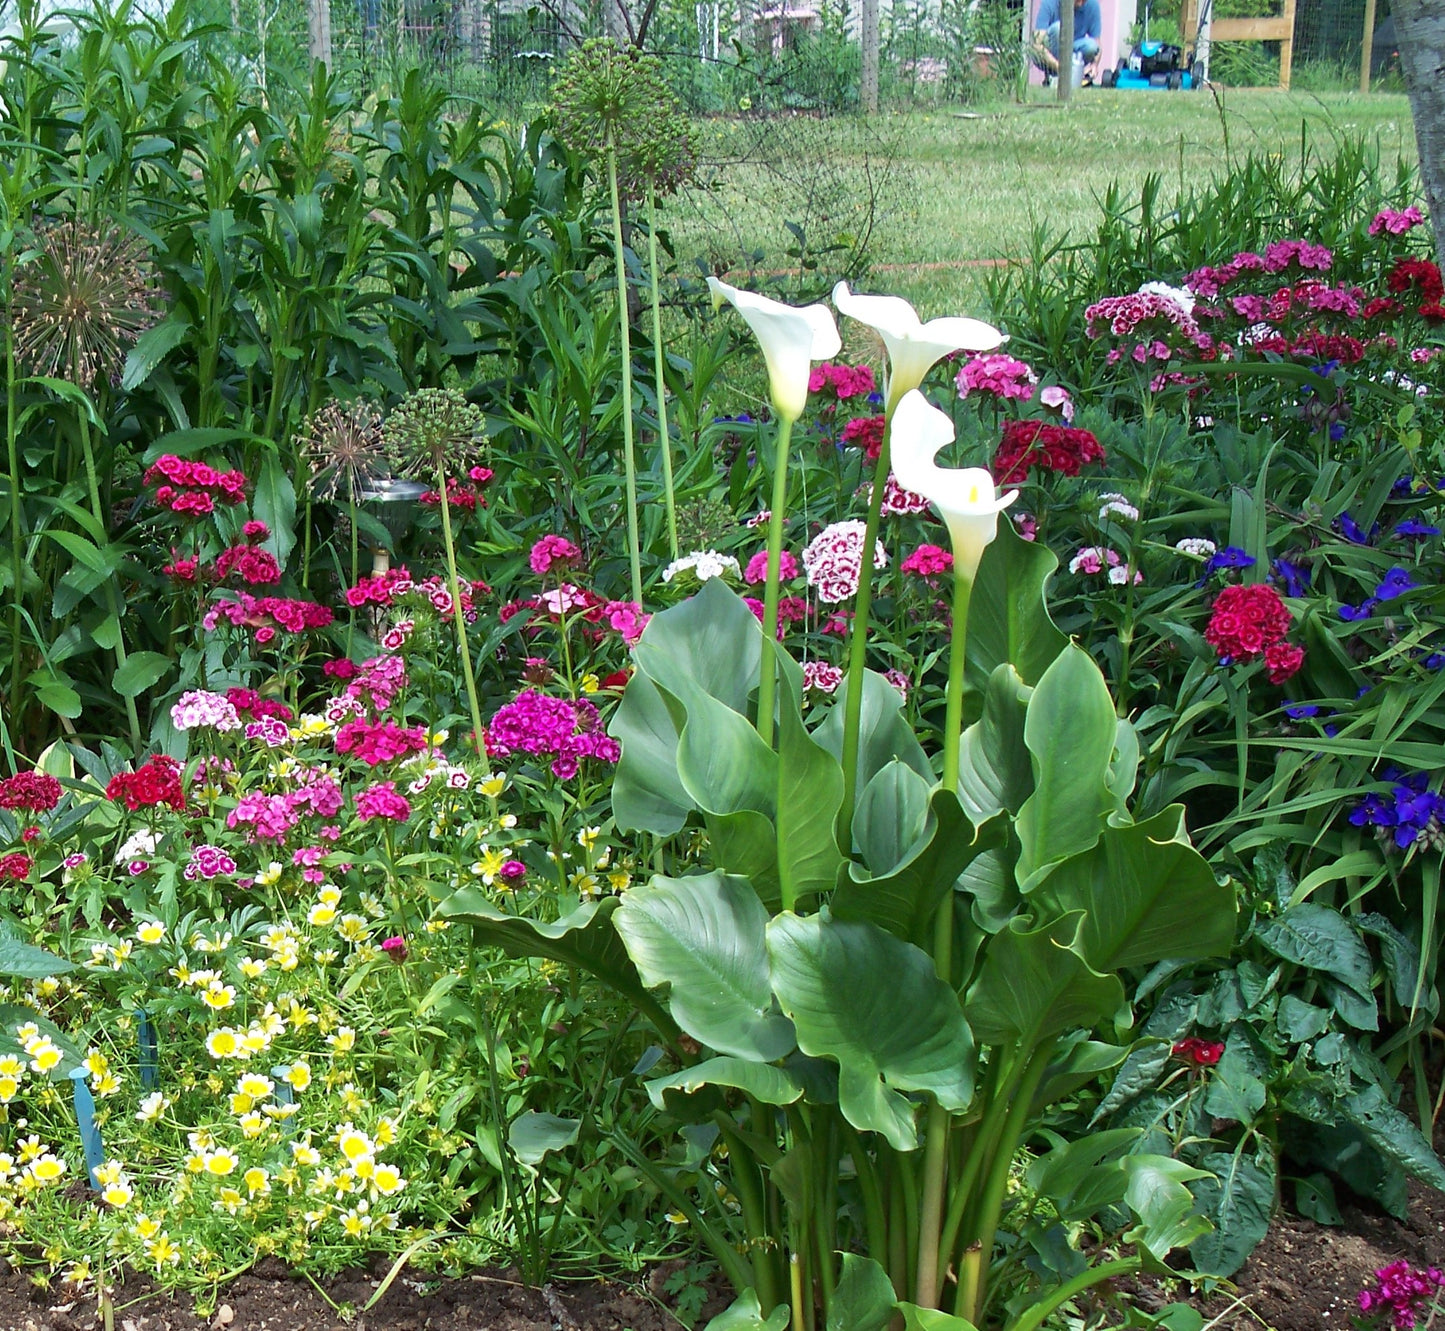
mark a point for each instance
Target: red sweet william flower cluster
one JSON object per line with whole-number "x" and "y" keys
{"x": 193, "y": 488}
{"x": 1202, "y": 1053}
{"x": 463, "y": 494}
{"x": 1249, "y": 621}
{"x": 1048, "y": 447}
{"x": 865, "y": 432}
{"x": 34, "y": 792}
{"x": 157, "y": 781}
{"x": 1424, "y": 276}
{"x": 248, "y": 702}
{"x": 15, "y": 865}
{"x": 265, "y": 614}
{"x": 250, "y": 564}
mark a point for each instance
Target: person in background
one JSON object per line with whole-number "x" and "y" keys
{"x": 1088, "y": 25}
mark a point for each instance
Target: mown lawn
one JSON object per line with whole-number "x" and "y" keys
{"x": 960, "y": 189}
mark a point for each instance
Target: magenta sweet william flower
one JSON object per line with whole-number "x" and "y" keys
{"x": 928, "y": 561}
{"x": 552, "y": 550}
{"x": 395, "y": 948}
{"x": 757, "y": 569}
{"x": 382, "y": 801}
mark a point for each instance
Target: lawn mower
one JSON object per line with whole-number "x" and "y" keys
{"x": 1153, "y": 65}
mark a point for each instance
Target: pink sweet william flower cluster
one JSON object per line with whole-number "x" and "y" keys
{"x": 550, "y": 552}
{"x": 263, "y": 615}
{"x": 865, "y": 432}
{"x": 1095, "y": 559}
{"x": 1403, "y": 1294}
{"x": 378, "y": 681}
{"x": 193, "y": 488}
{"x": 1396, "y": 222}
{"x": 560, "y": 729}
{"x": 396, "y": 586}
{"x": 1278, "y": 255}
{"x": 897, "y": 502}
{"x": 209, "y": 862}
{"x": 200, "y": 710}
{"x": 757, "y": 569}
{"x": 249, "y": 564}
{"x": 1002, "y": 375}
{"x": 266, "y": 817}
{"x": 820, "y": 677}
{"x": 382, "y": 801}
{"x": 1138, "y": 314}
{"x": 928, "y": 561}
{"x": 844, "y": 381}
{"x": 379, "y": 741}
{"x": 834, "y": 560}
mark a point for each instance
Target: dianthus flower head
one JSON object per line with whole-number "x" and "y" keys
{"x": 551, "y": 551}
{"x": 757, "y": 569}
{"x": 1001, "y": 375}
{"x": 833, "y": 560}
{"x": 1246, "y": 620}
{"x": 1045, "y": 446}
{"x": 382, "y": 801}
{"x": 30, "y": 792}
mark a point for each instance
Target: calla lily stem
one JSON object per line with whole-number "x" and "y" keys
{"x": 629, "y": 462}
{"x": 767, "y": 682}
{"x": 858, "y": 643}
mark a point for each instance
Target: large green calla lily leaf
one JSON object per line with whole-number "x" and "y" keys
{"x": 583, "y": 938}
{"x": 1008, "y": 616}
{"x": 762, "y": 1081}
{"x": 905, "y": 896}
{"x": 1147, "y": 894}
{"x": 864, "y": 1299}
{"x": 1070, "y": 731}
{"x": 705, "y": 938}
{"x": 1034, "y": 984}
{"x": 746, "y": 1314}
{"x": 994, "y": 768}
{"x": 883, "y": 735}
{"x": 647, "y": 792}
{"x": 807, "y": 798}
{"x": 874, "y": 1004}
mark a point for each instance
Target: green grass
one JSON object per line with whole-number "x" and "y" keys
{"x": 965, "y": 190}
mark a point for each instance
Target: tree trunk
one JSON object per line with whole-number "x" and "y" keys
{"x": 318, "y": 21}
{"x": 869, "y": 91}
{"x": 1420, "y": 31}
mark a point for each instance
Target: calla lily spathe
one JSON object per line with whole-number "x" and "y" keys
{"x": 914, "y": 347}
{"x": 792, "y": 338}
{"x": 965, "y": 497}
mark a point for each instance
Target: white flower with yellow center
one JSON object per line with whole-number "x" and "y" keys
{"x": 343, "y": 1041}
{"x": 353, "y": 1143}
{"x": 118, "y": 1194}
{"x": 229, "y": 1201}
{"x": 257, "y": 1181}
{"x": 47, "y": 1168}
{"x": 150, "y": 932}
{"x": 252, "y": 1125}
{"x": 353, "y": 928}
{"x": 386, "y": 1180}
{"x": 12, "y": 1066}
{"x": 221, "y": 1163}
{"x": 299, "y": 1076}
{"x": 253, "y": 968}
{"x": 45, "y": 1057}
{"x": 152, "y": 1107}
{"x": 144, "y": 1228}
{"x": 218, "y": 997}
{"x": 304, "y": 1154}
{"x": 9, "y": 1089}
{"x": 225, "y": 1043}
{"x": 321, "y": 915}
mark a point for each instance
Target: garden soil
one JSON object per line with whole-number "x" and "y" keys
{"x": 1303, "y": 1277}
{"x": 268, "y": 1299}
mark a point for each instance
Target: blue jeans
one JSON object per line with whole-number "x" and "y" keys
{"x": 1088, "y": 47}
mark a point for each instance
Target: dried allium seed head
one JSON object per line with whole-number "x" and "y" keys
{"x": 81, "y": 301}
{"x": 435, "y": 430}
{"x": 342, "y": 447}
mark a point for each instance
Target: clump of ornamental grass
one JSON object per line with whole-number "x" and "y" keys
{"x": 81, "y": 301}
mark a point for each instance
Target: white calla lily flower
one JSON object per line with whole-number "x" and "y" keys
{"x": 914, "y": 347}
{"x": 792, "y": 338}
{"x": 966, "y": 497}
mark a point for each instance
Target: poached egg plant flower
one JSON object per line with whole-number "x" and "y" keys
{"x": 791, "y": 337}
{"x": 914, "y": 347}
{"x": 965, "y": 497}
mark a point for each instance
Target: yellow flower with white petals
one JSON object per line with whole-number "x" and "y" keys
{"x": 163, "y": 1252}
{"x": 12, "y": 1066}
{"x": 145, "y": 1228}
{"x": 150, "y": 932}
{"x": 387, "y": 1180}
{"x": 353, "y": 1143}
{"x": 224, "y": 1043}
{"x": 221, "y": 1163}
{"x": 330, "y": 895}
{"x": 303, "y": 1153}
{"x": 47, "y": 1168}
{"x": 9, "y": 1089}
{"x": 105, "y": 1085}
{"x": 152, "y": 1107}
{"x": 492, "y": 785}
{"x": 252, "y": 1125}
{"x": 253, "y": 967}
{"x": 353, "y": 928}
{"x": 118, "y": 1194}
{"x": 587, "y": 837}
{"x": 320, "y": 915}
{"x": 229, "y": 1201}
{"x": 299, "y": 1075}
{"x": 44, "y": 1055}
{"x": 218, "y": 997}
{"x": 343, "y": 1041}
{"x": 385, "y": 1131}
{"x": 109, "y": 1172}
{"x": 257, "y": 1181}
